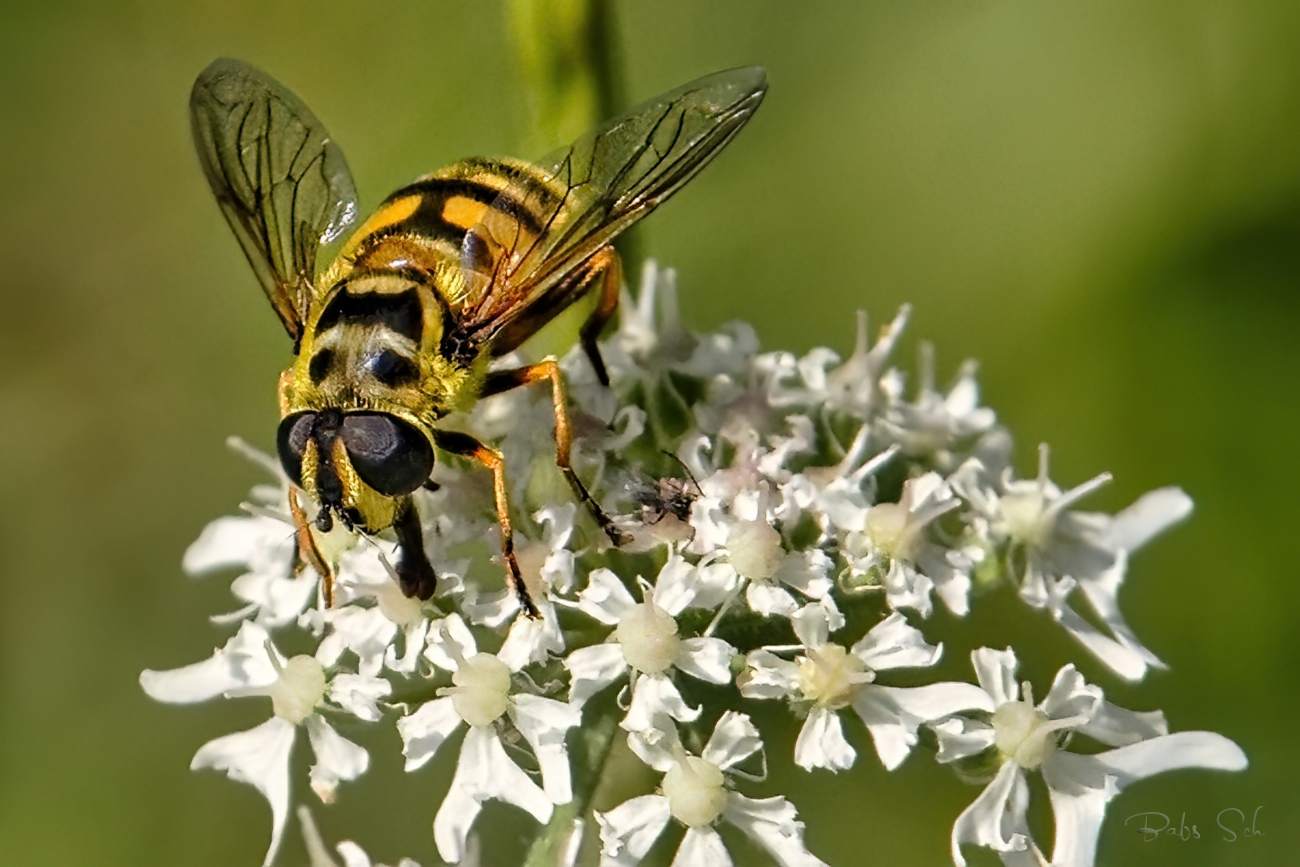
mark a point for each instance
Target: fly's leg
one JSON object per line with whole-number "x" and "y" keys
{"x": 603, "y": 268}
{"x": 606, "y": 267}
{"x": 462, "y": 444}
{"x": 306, "y": 550}
{"x": 414, "y": 571}
{"x": 504, "y": 380}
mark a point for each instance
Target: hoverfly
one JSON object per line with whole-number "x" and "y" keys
{"x": 454, "y": 270}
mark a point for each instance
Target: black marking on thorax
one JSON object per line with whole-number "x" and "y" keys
{"x": 392, "y": 369}
{"x": 319, "y": 366}
{"x": 400, "y": 312}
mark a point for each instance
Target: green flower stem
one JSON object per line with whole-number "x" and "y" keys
{"x": 565, "y": 51}
{"x": 570, "y": 78}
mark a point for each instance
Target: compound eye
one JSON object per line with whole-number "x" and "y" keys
{"x": 390, "y": 455}
{"x": 291, "y": 441}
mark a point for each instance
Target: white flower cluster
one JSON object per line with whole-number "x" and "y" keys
{"x": 791, "y": 521}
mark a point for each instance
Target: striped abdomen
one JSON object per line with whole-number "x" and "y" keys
{"x": 424, "y": 224}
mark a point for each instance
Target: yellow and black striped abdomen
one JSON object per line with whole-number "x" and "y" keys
{"x": 424, "y": 224}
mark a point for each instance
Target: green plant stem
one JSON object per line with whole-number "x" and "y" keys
{"x": 565, "y": 54}
{"x": 570, "y": 75}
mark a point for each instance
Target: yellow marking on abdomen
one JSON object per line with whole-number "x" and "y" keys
{"x": 389, "y": 215}
{"x": 463, "y": 212}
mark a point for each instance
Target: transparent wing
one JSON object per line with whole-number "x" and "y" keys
{"x": 280, "y": 180}
{"x": 547, "y": 223}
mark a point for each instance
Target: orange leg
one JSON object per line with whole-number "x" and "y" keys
{"x": 603, "y": 266}
{"x": 307, "y": 550}
{"x": 504, "y": 380}
{"x": 465, "y": 445}
{"x": 608, "y": 268}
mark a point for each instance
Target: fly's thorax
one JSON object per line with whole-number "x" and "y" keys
{"x": 376, "y": 343}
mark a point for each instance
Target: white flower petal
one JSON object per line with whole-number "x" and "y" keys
{"x": 772, "y": 822}
{"x": 1128, "y": 662}
{"x": 708, "y": 659}
{"x": 532, "y": 640}
{"x": 701, "y": 847}
{"x": 832, "y": 611}
{"x": 677, "y": 585}
{"x": 364, "y": 631}
{"x": 259, "y": 757}
{"x": 821, "y": 742}
{"x": 605, "y": 598}
{"x": 960, "y": 738}
{"x": 317, "y": 853}
{"x": 656, "y": 746}
{"x": 425, "y": 730}
{"x": 544, "y": 722}
{"x": 1071, "y": 695}
{"x": 234, "y": 618}
{"x": 811, "y": 625}
{"x": 496, "y": 776}
{"x": 893, "y": 643}
{"x": 1117, "y": 726}
{"x": 1102, "y": 593}
{"x": 715, "y": 583}
{"x": 243, "y": 662}
{"x": 905, "y": 587}
{"x": 767, "y": 675}
{"x": 953, "y": 584}
{"x": 805, "y": 571}
{"x": 490, "y": 609}
{"x": 734, "y": 739}
{"x": 629, "y": 830}
{"x": 995, "y": 671}
{"x": 770, "y": 600}
{"x": 414, "y": 638}
{"x": 996, "y": 818}
{"x": 592, "y": 669}
{"x": 1152, "y": 513}
{"x": 237, "y": 541}
{"x": 557, "y": 525}
{"x": 450, "y": 641}
{"x": 484, "y": 771}
{"x": 1072, "y": 773}
{"x": 359, "y": 695}
{"x": 352, "y": 854}
{"x": 1081, "y": 785}
{"x": 893, "y": 714}
{"x": 708, "y": 518}
{"x": 337, "y": 758}
{"x": 654, "y": 695}
{"x": 277, "y": 595}
{"x": 1030, "y": 856}
{"x": 455, "y": 817}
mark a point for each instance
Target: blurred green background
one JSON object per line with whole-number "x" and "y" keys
{"x": 1100, "y": 201}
